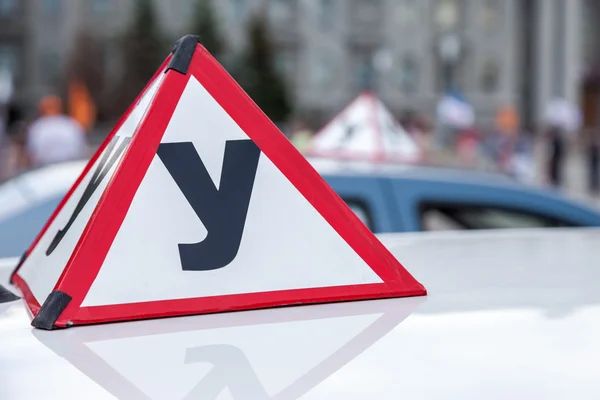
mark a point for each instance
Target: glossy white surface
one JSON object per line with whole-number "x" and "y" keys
{"x": 509, "y": 315}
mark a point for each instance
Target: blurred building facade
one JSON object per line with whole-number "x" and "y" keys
{"x": 497, "y": 52}
{"x": 13, "y": 38}
{"x": 590, "y": 84}
{"x": 37, "y": 37}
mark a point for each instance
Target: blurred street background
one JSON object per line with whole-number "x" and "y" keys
{"x": 508, "y": 85}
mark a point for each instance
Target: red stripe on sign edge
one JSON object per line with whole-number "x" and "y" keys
{"x": 298, "y": 170}
{"x": 105, "y": 222}
{"x": 32, "y": 304}
{"x": 235, "y": 302}
{"x": 90, "y": 164}
{"x": 114, "y": 203}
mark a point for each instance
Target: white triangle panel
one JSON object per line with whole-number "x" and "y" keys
{"x": 351, "y": 131}
{"x": 396, "y": 141}
{"x": 286, "y": 243}
{"x": 365, "y": 129}
{"x": 250, "y": 361}
{"x": 41, "y": 281}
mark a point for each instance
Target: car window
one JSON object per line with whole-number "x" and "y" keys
{"x": 458, "y": 217}
{"x": 18, "y": 231}
{"x": 362, "y": 212}
{"x": 435, "y": 220}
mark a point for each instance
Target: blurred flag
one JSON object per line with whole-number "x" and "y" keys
{"x": 563, "y": 114}
{"x": 453, "y": 110}
{"x": 81, "y": 105}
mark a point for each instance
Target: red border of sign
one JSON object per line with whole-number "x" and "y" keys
{"x": 30, "y": 300}
{"x": 89, "y": 165}
{"x": 94, "y": 244}
{"x": 19, "y": 282}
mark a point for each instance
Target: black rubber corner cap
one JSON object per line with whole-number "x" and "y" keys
{"x": 54, "y": 305}
{"x": 183, "y": 51}
{"x": 6, "y": 296}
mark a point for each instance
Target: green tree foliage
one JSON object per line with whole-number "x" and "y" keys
{"x": 204, "y": 24}
{"x": 259, "y": 78}
{"x": 143, "y": 49}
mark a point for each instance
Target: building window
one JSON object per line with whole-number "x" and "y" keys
{"x": 187, "y": 7}
{"x": 285, "y": 63}
{"x": 447, "y": 14}
{"x": 281, "y": 10}
{"x": 489, "y": 76}
{"x": 451, "y": 58}
{"x": 490, "y": 14}
{"x": 368, "y": 11}
{"x": 51, "y": 67}
{"x": 111, "y": 60}
{"x": 406, "y": 13}
{"x": 8, "y": 59}
{"x": 323, "y": 71}
{"x": 52, "y": 7}
{"x": 364, "y": 70}
{"x": 408, "y": 74}
{"x": 326, "y": 13}
{"x": 238, "y": 9}
{"x": 100, "y": 6}
{"x": 7, "y": 7}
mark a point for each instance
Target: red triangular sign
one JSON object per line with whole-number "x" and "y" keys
{"x": 365, "y": 130}
{"x": 196, "y": 203}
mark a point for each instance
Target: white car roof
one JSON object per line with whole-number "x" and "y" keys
{"x": 509, "y": 314}
{"x": 38, "y": 185}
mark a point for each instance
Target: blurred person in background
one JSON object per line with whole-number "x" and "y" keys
{"x": 454, "y": 116}
{"x": 511, "y": 147}
{"x": 6, "y": 93}
{"x": 54, "y": 137}
{"x": 505, "y": 135}
{"x": 557, "y": 154}
{"x": 13, "y": 143}
{"x": 522, "y": 164}
{"x": 4, "y": 148}
{"x": 563, "y": 120}
{"x": 16, "y": 155}
{"x": 594, "y": 161}
{"x": 468, "y": 147}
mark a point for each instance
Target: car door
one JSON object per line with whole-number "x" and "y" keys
{"x": 435, "y": 205}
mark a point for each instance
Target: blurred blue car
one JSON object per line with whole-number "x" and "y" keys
{"x": 386, "y": 198}
{"x": 409, "y": 199}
